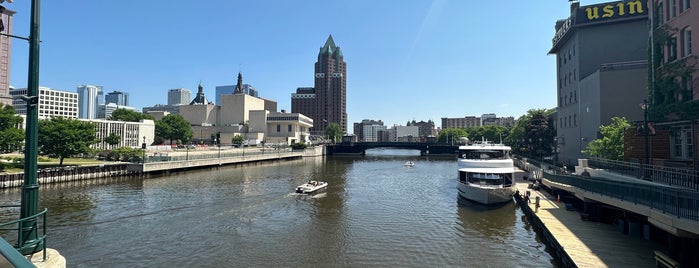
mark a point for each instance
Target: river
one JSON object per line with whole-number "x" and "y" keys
{"x": 376, "y": 212}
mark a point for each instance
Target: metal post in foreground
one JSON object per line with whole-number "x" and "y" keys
{"x": 29, "y": 241}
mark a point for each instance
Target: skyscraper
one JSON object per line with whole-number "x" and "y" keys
{"x": 89, "y": 98}
{"x": 5, "y": 52}
{"x": 178, "y": 96}
{"x": 117, "y": 97}
{"x": 326, "y": 102}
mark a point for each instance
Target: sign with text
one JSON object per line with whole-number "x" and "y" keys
{"x": 611, "y": 11}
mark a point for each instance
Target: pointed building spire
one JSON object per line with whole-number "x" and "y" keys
{"x": 239, "y": 87}
{"x": 329, "y": 46}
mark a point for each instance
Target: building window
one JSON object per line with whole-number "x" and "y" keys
{"x": 671, "y": 9}
{"x": 686, "y": 42}
{"x": 279, "y": 128}
{"x": 685, "y": 5}
{"x": 660, "y": 11}
{"x": 681, "y": 142}
{"x": 672, "y": 48}
{"x": 289, "y": 128}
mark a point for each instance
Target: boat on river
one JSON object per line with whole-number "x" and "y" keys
{"x": 409, "y": 164}
{"x": 486, "y": 173}
{"x": 311, "y": 187}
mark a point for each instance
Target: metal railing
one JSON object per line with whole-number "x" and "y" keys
{"x": 682, "y": 203}
{"x": 12, "y": 256}
{"x": 212, "y": 154}
{"x": 38, "y": 241}
{"x": 682, "y": 177}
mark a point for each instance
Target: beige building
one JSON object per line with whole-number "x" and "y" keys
{"x": 238, "y": 110}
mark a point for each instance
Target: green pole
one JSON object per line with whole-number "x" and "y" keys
{"x": 28, "y": 230}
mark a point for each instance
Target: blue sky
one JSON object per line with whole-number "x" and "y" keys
{"x": 406, "y": 59}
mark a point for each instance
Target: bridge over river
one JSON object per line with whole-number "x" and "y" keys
{"x": 359, "y": 148}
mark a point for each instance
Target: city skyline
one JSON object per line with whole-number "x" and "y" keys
{"x": 434, "y": 58}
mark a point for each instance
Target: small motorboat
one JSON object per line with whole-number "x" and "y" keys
{"x": 409, "y": 164}
{"x": 311, "y": 186}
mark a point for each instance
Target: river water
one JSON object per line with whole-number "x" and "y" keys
{"x": 376, "y": 212}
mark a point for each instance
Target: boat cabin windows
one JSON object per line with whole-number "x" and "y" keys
{"x": 484, "y": 154}
{"x": 486, "y": 179}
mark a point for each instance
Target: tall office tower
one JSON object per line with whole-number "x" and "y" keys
{"x": 326, "y": 102}
{"x": 178, "y": 96}
{"x": 89, "y": 98}
{"x": 117, "y": 97}
{"x": 5, "y": 51}
{"x": 601, "y": 73}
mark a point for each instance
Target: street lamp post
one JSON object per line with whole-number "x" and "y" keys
{"x": 644, "y": 106}
{"x": 29, "y": 241}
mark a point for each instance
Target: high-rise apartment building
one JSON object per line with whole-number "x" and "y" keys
{"x": 5, "y": 52}
{"x": 117, "y": 97}
{"x": 178, "y": 96}
{"x": 326, "y": 102}
{"x": 89, "y": 99}
{"x": 601, "y": 54}
{"x": 51, "y": 102}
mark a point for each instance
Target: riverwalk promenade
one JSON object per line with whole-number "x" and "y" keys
{"x": 580, "y": 243}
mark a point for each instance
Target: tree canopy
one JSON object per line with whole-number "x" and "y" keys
{"x": 489, "y": 133}
{"x": 112, "y": 139}
{"x": 451, "y": 135}
{"x": 534, "y": 133}
{"x": 11, "y": 137}
{"x": 64, "y": 137}
{"x": 334, "y": 132}
{"x": 611, "y": 145}
{"x": 127, "y": 115}
{"x": 174, "y": 127}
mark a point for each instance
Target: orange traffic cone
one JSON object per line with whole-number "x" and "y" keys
{"x": 558, "y": 199}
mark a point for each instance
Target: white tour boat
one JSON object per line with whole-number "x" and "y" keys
{"x": 311, "y": 186}
{"x": 409, "y": 164}
{"x": 486, "y": 173}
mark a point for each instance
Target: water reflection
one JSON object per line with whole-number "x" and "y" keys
{"x": 375, "y": 212}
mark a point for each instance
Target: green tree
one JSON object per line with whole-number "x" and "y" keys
{"x": 490, "y": 133}
{"x": 174, "y": 127}
{"x": 127, "y": 115}
{"x": 611, "y": 145}
{"x": 63, "y": 137}
{"x": 451, "y": 135}
{"x": 533, "y": 134}
{"x": 11, "y": 137}
{"x": 112, "y": 139}
{"x": 237, "y": 140}
{"x": 334, "y": 132}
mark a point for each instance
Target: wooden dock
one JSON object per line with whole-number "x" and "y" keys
{"x": 585, "y": 243}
